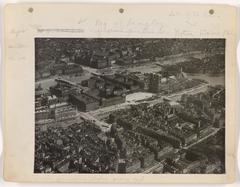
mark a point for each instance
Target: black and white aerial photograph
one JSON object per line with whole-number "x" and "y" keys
{"x": 129, "y": 105}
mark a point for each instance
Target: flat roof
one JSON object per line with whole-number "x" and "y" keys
{"x": 84, "y": 98}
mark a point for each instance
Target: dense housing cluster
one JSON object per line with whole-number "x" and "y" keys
{"x": 213, "y": 64}
{"x": 129, "y": 106}
{"x": 170, "y": 125}
{"x": 79, "y": 148}
{"x": 56, "y": 56}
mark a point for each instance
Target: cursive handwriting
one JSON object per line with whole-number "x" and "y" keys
{"x": 130, "y": 26}
{"x": 17, "y": 32}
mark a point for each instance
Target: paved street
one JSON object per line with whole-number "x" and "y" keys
{"x": 105, "y": 127}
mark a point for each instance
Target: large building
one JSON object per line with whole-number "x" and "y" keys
{"x": 96, "y": 59}
{"x": 42, "y": 113}
{"x": 63, "y": 66}
{"x": 84, "y": 102}
{"x": 63, "y": 89}
{"x": 100, "y": 60}
{"x": 65, "y": 113}
{"x": 126, "y": 81}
